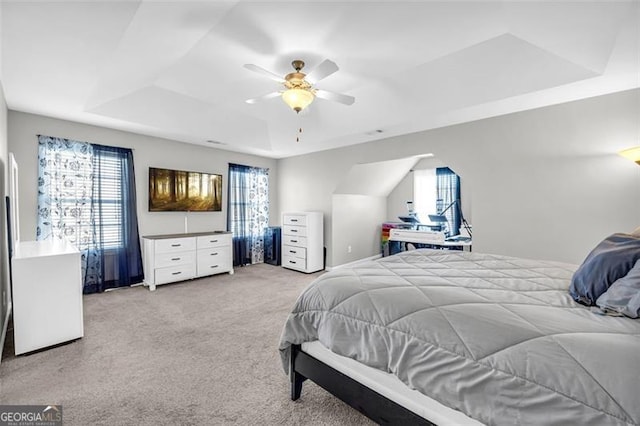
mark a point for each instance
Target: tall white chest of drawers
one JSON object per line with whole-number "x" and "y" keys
{"x": 178, "y": 257}
{"x": 302, "y": 241}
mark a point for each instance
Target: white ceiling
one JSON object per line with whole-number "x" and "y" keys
{"x": 175, "y": 68}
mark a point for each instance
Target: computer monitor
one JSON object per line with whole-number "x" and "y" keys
{"x": 437, "y": 218}
{"x": 409, "y": 219}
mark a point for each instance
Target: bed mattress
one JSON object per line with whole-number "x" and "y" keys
{"x": 495, "y": 337}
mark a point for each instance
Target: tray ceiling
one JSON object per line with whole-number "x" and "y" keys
{"x": 175, "y": 69}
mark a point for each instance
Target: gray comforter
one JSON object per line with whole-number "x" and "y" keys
{"x": 498, "y": 338}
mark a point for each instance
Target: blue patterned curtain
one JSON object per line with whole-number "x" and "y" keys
{"x": 86, "y": 195}
{"x": 448, "y": 198}
{"x": 248, "y": 212}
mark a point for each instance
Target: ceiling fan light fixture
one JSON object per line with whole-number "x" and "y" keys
{"x": 297, "y": 99}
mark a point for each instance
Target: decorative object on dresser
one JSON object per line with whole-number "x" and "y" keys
{"x": 178, "y": 257}
{"x": 302, "y": 241}
{"x": 47, "y": 294}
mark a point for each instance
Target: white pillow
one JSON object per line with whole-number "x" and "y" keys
{"x": 636, "y": 232}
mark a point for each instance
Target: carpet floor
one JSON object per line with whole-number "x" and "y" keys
{"x": 201, "y": 352}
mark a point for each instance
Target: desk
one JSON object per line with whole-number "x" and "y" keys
{"x": 445, "y": 245}
{"x": 425, "y": 239}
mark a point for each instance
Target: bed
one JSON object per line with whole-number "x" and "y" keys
{"x": 486, "y": 339}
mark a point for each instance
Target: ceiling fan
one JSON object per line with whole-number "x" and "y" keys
{"x": 299, "y": 90}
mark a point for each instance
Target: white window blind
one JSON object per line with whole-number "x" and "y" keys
{"x": 108, "y": 170}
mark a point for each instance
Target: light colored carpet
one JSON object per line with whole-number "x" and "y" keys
{"x": 201, "y": 352}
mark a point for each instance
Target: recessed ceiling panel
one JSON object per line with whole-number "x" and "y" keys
{"x": 159, "y": 34}
{"x": 53, "y": 51}
{"x": 181, "y": 115}
{"x": 581, "y": 32}
{"x": 496, "y": 69}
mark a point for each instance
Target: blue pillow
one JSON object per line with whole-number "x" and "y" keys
{"x": 624, "y": 295}
{"x": 609, "y": 261}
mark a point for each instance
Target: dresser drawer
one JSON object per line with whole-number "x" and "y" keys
{"x": 292, "y": 240}
{"x": 178, "y": 258}
{"x": 169, "y": 245}
{"x": 292, "y": 251}
{"x": 175, "y": 273}
{"x": 207, "y": 241}
{"x": 214, "y": 261}
{"x": 295, "y": 230}
{"x": 293, "y": 219}
{"x": 213, "y": 254}
{"x": 294, "y": 262}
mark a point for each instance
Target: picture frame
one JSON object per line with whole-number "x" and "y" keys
{"x": 185, "y": 191}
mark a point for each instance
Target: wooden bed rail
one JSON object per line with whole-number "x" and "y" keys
{"x": 367, "y": 401}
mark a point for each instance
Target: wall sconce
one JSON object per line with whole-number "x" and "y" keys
{"x": 632, "y": 154}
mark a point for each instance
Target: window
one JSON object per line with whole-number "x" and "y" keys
{"x": 84, "y": 183}
{"x": 436, "y": 191}
{"x": 108, "y": 190}
{"x": 86, "y": 195}
{"x": 248, "y": 212}
{"x": 424, "y": 193}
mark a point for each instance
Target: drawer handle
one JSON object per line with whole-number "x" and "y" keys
{"x": 176, "y": 273}
{"x": 292, "y": 251}
{"x": 175, "y": 258}
{"x": 213, "y": 254}
{"x": 292, "y": 261}
{"x": 294, "y": 230}
{"x": 294, "y": 220}
{"x": 213, "y": 241}
{"x": 294, "y": 241}
{"x": 176, "y": 245}
{"x": 214, "y": 266}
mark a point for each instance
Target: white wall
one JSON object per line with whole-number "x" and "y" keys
{"x": 369, "y": 212}
{"x": 545, "y": 183}
{"x": 147, "y": 152}
{"x": 5, "y": 287}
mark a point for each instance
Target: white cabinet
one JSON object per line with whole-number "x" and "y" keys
{"x": 178, "y": 257}
{"x": 47, "y": 294}
{"x": 302, "y": 241}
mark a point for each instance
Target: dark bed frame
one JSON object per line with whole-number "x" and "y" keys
{"x": 369, "y": 402}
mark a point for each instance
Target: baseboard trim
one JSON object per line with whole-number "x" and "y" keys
{"x": 355, "y": 262}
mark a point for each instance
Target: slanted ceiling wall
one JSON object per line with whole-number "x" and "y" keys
{"x": 363, "y": 194}
{"x": 546, "y": 183}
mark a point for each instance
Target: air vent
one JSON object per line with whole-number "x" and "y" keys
{"x": 374, "y": 132}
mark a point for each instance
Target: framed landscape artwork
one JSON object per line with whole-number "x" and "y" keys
{"x": 184, "y": 191}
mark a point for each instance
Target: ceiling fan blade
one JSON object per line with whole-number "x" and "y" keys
{"x": 324, "y": 70}
{"x": 336, "y": 97}
{"x": 263, "y": 98}
{"x": 266, "y": 73}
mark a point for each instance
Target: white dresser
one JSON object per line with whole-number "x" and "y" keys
{"x": 302, "y": 241}
{"x": 178, "y": 257}
{"x": 47, "y": 294}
